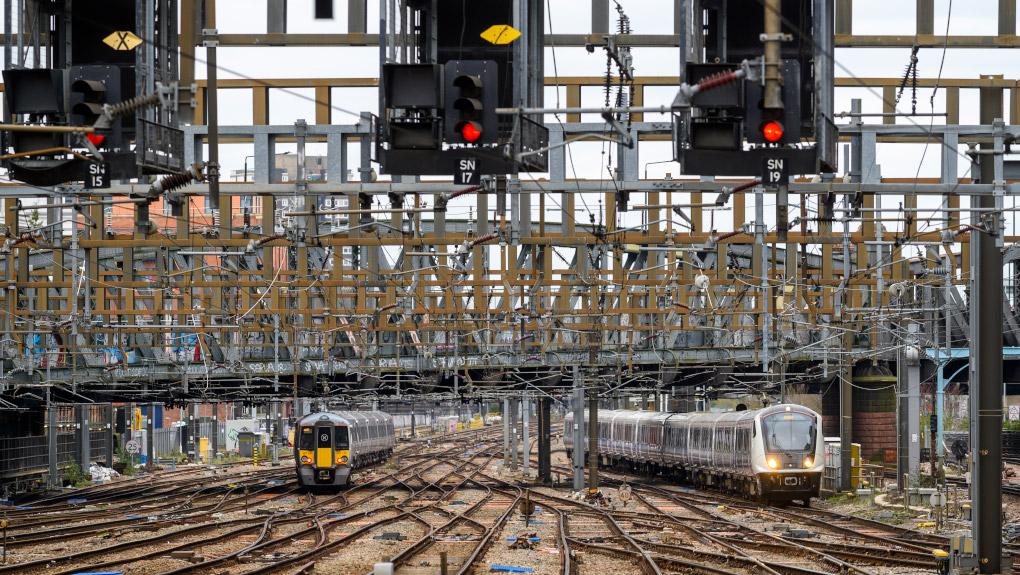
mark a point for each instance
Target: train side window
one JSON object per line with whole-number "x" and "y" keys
{"x": 341, "y": 440}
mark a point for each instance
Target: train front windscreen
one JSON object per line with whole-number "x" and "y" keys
{"x": 789, "y": 432}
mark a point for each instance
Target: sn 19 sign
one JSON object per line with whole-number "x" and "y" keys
{"x": 774, "y": 171}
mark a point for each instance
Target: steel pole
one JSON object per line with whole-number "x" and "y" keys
{"x": 110, "y": 420}
{"x": 578, "y": 430}
{"x": 846, "y": 415}
{"x": 8, "y": 33}
{"x": 986, "y": 357}
{"x": 150, "y": 432}
{"x": 593, "y": 439}
{"x": 506, "y": 433}
{"x": 525, "y": 435}
{"x": 84, "y": 450}
{"x": 544, "y": 440}
{"x": 513, "y": 435}
{"x": 53, "y": 476}
{"x": 212, "y": 116}
{"x": 773, "y": 57}
{"x": 762, "y": 270}
{"x": 214, "y": 441}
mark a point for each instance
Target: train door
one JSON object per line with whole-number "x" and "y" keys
{"x": 323, "y": 447}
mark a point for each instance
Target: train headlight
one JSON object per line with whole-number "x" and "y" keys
{"x": 808, "y": 462}
{"x": 341, "y": 459}
{"x": 773, "y": 463}
{"x": 305, "y": 459}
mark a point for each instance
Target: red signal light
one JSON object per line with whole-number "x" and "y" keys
{"x": 471, "y": 131}
{"x": 96, "y": 139}
{"x": 772, "y": 131}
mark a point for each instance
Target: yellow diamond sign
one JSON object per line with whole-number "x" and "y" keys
{"x": 123, "y": 41}
{"x": 500, "y": 34}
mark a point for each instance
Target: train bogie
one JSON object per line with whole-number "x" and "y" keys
{"x": 329, "y": 446}
{"x": 771, "y": 454}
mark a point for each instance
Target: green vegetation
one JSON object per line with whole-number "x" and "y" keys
{"x": 1011, "y": 425}
{"x": 75, "y": 477}
{"x": 956, "y": 423}
{"x": 222, "y": 458}
{"x": 848, "y": 499}
{"x": 127, "y": 462}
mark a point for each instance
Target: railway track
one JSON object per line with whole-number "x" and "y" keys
{"x": 233, "y": 518}
{"x": 310, "y": 528}
{"x": 448, "y": 501}
{"x": 839, "y": 542}
{"x": 224, "y": 496}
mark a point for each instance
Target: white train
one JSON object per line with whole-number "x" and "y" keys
{"x": 328, "y": 446}
{"x": 771, "y": 454}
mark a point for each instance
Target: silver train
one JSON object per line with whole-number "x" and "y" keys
{"x": 328, "y": 446}
{"x": 772, "y": 455}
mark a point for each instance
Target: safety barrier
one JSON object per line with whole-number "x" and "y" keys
{"x": 27, "y": 455}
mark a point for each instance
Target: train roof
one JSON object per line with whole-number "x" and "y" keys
{"x": 345, "y": 417}
{"x": 635, "y": 415}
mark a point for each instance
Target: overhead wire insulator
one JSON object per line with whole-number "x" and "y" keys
{"x": 167, "y": 185}
{"x": 125, "y": 108}
{"x": 179, "y": 180}
{"x": 909, "y": 75}
{"x": 444, "y": 199}
{"x": 688, "y": 91}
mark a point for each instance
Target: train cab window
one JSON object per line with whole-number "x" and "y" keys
{"x": 790, "y": 431}
{"x": 341, "y": 438}
{"x": 307, "y": 439}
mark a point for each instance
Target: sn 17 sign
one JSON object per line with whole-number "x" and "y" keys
{"x": 467, "y": 172}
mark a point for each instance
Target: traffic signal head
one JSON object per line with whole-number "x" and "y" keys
{"x": 772, "y": 131}
{"x": 93, "y": 95}
{"x": 33, "y": 95}
{"x": 470, "y": 131}
{"x": 92, "y": 88}
{"x": 782, "y": 126}
{"x": 470, "y": 102}
{"x": 411, "y": 100}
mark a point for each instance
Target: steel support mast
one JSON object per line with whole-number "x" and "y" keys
{"x": 986, "y": 355}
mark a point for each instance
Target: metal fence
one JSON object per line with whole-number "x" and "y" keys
{"x": 29, "y": 454}
{"x": 205, "y": 429}
{"x": 167, "y": 441}
{"x": 99, "y": 447}
{"x": 18, "y": 454}
{"x": 67, "y": 448}
{"x": 404, "y": 420}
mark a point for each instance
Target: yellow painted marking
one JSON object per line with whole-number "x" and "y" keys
{"x": 324, "y": 457}
{"x": 123, "y": 41}
{"x": 500, "y": 34}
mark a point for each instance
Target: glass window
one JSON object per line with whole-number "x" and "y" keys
{"x": 341, "y": 441}
{"x": 307, "y": 440}
{"x": 789, "y": 432}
